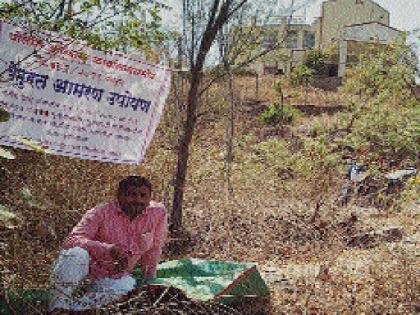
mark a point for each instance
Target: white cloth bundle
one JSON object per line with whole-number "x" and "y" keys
{"x": 71, "y": 267}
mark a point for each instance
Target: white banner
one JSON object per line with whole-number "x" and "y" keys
{"x": 77, "y": 101}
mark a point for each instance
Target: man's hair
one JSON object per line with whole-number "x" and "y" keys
{"x": 136, "y": 181}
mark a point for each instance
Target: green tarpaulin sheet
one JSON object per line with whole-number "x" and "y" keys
{"x": 211, "y": 279}
{"x": 200, "y": 279}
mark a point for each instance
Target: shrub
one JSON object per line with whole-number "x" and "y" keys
{"x": 315, "y": 60}
{"x": 276, "y": 113}
{"x": 386, "y": 133}
{"x": 301, "y": 75}
{"x": 4, "y": 115}
{"x": 388, "y": 75}
{"x": 275, "y": 157}
{"x": 279, "y": 112}
{"x": 317, "y": 156}
{"x": 384, "y": 117}
{"x": 274, "y": 152}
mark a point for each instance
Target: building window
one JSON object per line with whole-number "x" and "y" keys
{"x": 308, "y": 39}
{"x": 269, "y": 41}
{"x": 292, "y": 39}
{"x": 270, "y": 69}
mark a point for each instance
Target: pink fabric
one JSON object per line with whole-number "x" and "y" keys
{"x": 142, "y": 239}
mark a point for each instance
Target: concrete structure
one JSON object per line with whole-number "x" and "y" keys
{"x": 353, "y": 38}
{"x": 341, "y": 21}
{"x": 336, "y": 14}
{"x": 297, "y": 38}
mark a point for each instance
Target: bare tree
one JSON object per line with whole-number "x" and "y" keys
{"x": 224, "y": 46}
{"x": 220, "y": 11}
{"x": 238, "y": 40}
{"x": 203, "y": 20}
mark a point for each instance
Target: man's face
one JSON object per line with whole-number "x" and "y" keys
{"x": 134, "y": 200}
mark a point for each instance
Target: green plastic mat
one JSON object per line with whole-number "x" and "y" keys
{"x": 210, "y": 279}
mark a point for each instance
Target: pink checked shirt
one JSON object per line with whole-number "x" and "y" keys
{"x": 142, "y": 239}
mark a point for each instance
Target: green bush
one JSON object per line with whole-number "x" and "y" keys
{"x": 279, "y": 112}
{"x": 301, "y": 75}
{"x": 388, "y": 75}
{"x": 315, "y": 60}
{"x": 316, "y": 156}
{"x": 276, "y": 113}
{"x": 274, "y": 152}
{"x": 384, "y": 133}
{"x": 274, "y": 158}
{"x": 384, "y": 116}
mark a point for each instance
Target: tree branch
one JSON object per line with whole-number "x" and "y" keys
{"x": 16, "y": 7}
{"x": 243, "y": 64}
{"x": 210, "y": 33}
{"x": 237, "y": 8}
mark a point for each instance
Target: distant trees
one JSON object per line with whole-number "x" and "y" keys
{"x": 103, "y": 24}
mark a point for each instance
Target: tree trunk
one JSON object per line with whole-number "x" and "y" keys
{"x": 179, "y": 91}
{"x": 229, "y": 129}
{"x": 218, "y": 16}
{"x": 257, "y": 87}
{"x": 183, "y": 151}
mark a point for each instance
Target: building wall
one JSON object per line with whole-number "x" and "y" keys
{"x": 363, "y": 38}
{"x": 338, "y": 13}
{"x": 295, "y": 53}
{"x": 375, "y": 32}
{"x": 316, "y": 27}
{"x": 329, "y": 28}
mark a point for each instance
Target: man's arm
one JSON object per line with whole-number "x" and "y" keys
{"x": 151, "y": 258}
{"x": 84, "y": 232}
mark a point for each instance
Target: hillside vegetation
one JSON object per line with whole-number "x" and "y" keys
{"x": 293, "y": 210}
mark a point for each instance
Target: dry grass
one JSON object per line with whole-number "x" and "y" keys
{"x": 269, "y": 220}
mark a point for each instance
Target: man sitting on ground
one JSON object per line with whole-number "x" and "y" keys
{"x": 105, "y": 246}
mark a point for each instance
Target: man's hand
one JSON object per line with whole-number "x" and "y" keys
{"x": 120, "y": 258}
{"x": 84, "y": 287}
